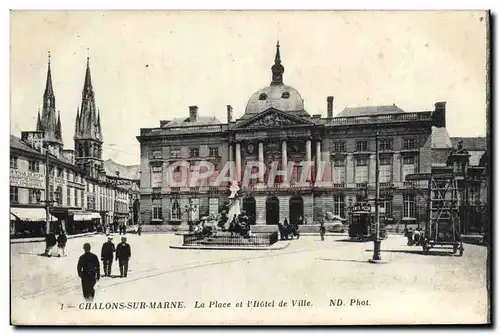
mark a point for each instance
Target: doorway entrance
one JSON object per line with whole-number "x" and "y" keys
{"x": 250, "y": 208}
{"x": 272, "y": 210}
{"x": 296, "y": 209}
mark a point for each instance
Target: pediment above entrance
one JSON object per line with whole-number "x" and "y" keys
{"x": 273, "y": 118}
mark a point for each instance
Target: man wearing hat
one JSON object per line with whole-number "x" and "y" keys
{"x": 122, "y": 256}
{"x": 107, "y": 253}
{"x": 89, "y": 272}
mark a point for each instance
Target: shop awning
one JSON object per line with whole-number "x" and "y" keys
{"x": 85, "y": 216}
{"x": 30, "y": 214}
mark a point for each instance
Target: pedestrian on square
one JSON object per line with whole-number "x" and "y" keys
{"x": 89, "y": 271}
{"x": 107, "y": 253}
{"x": 62, "y": 239}
{"x": 139, "y": 230}
{"x": 50, "y": 242}
{"x": 322, "y": 231}
{"x": 123, "y": 255}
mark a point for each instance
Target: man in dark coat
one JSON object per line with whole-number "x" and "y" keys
{"x": 123, "y": 255}
{"x": 89, "y": 271}
{"x": 107, "y": 253}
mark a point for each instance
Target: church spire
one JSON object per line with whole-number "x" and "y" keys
{"x": 277, "y": 69}
{"x": 87, "y": 120}
{"x": 58, "y": 127}
{"x": 88, "y": 79}
{"x": 49, "y": 122}
{"x": 49, "y": 99}
{"x": 38, "y": 122}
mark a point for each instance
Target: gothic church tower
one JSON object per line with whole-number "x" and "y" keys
{"x": 88, "y": 136}
{"x": 49, "y": 123}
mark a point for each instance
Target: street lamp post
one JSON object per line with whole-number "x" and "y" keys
{"x": 376, "y": 242}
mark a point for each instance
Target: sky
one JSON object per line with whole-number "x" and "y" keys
{"x": 152, "y": 65}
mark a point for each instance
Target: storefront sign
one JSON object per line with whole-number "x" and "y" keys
{"x": 27, "y": 179}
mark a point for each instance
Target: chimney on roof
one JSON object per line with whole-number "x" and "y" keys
{"x": 193, "y": 113}
{"x": 229, "y": 113}
{"x": 439, "y": 114}
{"x": 329, "y": 106}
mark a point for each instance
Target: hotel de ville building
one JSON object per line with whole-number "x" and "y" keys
{"x": 277, "y": 127}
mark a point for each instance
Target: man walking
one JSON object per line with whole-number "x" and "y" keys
{"x": 122, "y": 256}
{"x": 89, "y": 271}
{"x": 107, "y": 253}
{"x": 322, "y": 231}
{"x": 50, "y": 242}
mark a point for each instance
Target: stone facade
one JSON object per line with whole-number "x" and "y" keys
{"x": 275, "y": 129}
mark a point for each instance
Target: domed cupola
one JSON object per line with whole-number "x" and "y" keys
{"x": 277, "y": 95}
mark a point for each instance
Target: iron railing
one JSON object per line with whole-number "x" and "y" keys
{"x": 229, "y": 239}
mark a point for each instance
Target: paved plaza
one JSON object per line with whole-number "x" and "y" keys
{"x": 251, "y": 287}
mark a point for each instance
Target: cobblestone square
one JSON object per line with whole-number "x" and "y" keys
{"x": 312, "y": 277}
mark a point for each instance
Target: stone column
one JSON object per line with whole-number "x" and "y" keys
{"x": 284, "y": 160}
{"x": 238, "y": 162}
{"x": 308, "y": 156}
{"x": 231, "y": 158}
{"x": 318, "y": 161}
{"x": 261, "y": 161}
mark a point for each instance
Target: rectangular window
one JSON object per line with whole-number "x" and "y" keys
{"x": 60, "y": 172}
{"x": 58, "y": 196}
{"x": 338, "y": 205}
{"x": 385, "y": 145}
{"x": 34, "y": 196}
{"x": 361, "y": 170}
{"x": 409, "y": 143}
{"x": 157, "y": 209}
{"x": 339, "y": 146}
{"x": 70, "y": 176}
{"x": 13, "y": 162}
{"x": 385, "y": 170}
{"x": 296, "y": 172}
{"x": 76, "y": 197}
{"x": 175, "y": 153}
{"x": 175, "y": 210}
{"x": 409, "y": 205}
{"x": 14, "y": 195}
{"x": 386, "y": 204}
{"x": 194, "y": 152}
{"x": 408, "y": 166}
{"x": 156, "y": 176}
{"x": 34, "y": 166}
{"x": 51, "y": 192}
{"x": 213, "y": 152}
{"x": 339, "y": 171}
{"x": 68, "y": 196}
{"x": 361, "y": 146}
